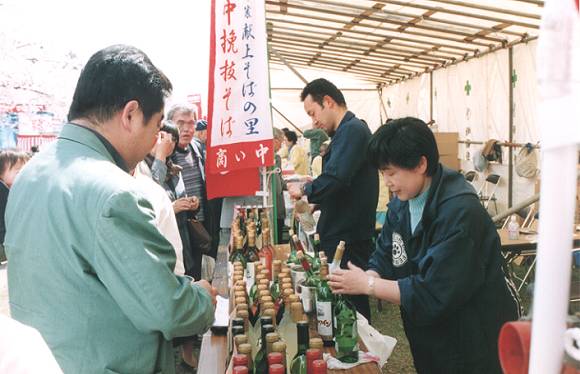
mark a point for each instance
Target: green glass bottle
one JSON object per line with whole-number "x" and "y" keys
{"x": 238, "y": 252}
{"x": 251, "y": 256}
{"x": 298, "y": 365}
{"x": 346, "y": 331}
{"x": 316, "y": 258}
{"x": 311, "y": 279}
{"x": 261, "y": 360}
{"x": 324, "y": 306}
{"x": 292, "y": 259}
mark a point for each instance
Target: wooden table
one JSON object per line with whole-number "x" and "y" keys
{"x": 526, "y": 242}
{"x": 213, "y": 356}
{"x": 525, "y": 245}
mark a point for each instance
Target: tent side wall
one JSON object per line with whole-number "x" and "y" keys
{"x": 473, "y": 99}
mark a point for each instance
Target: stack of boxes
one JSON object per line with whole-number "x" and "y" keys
{"x": 448, "y": 145}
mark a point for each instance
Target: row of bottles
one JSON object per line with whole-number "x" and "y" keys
{"x": 275, "y": 302}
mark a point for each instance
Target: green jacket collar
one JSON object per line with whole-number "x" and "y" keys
{"x": 92, "y": 139}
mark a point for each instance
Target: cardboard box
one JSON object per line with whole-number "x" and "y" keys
{"x": 447, "y": 143}
{"x": 451, "y": 161}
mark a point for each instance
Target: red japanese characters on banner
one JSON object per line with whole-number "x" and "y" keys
{"x": 239, "y": 119}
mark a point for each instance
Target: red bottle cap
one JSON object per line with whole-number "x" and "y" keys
{"x": 277, "y": 369}
{"x": 240, "y": 360}
{"x": 319, "y": 367}
{"x": 275, "y": 358}
{"x": 312, "y": 355}
{"x": 240, "y": 370}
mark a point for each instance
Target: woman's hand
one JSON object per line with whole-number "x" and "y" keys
{"x": 351, "y": 281}
{"x": 185, "y": 203}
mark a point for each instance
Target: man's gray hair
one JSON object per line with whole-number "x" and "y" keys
{"x": 278, "y": 134}
{"x": 178, "y": 109}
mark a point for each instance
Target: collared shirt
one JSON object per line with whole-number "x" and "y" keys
{"x": 108, "y": 146}
{"x": 86, "y": 260}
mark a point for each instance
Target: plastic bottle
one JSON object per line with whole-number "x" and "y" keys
{"x": 513, "y": 228}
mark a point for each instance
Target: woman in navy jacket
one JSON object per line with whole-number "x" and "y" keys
{"x": 438, "y": 257}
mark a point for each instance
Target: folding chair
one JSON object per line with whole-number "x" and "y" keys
{"x": 487, "y": 191}
{"x": 471, "y": 176}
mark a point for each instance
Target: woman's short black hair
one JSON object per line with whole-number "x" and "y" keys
{"x": 401, "y": 143}
{"x": 291, "y": 136}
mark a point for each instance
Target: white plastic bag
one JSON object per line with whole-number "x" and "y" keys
{"x": 207, "y": 267}
{"x": 376, "y": 343}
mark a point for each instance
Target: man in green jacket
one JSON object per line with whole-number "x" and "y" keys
{"x": 88, "y": 268}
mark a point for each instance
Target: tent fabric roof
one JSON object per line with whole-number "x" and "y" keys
{"x": 386, "y": 42}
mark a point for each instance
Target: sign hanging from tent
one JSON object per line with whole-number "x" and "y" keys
{"x": 240, "y": 129}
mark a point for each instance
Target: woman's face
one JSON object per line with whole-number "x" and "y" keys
{"x": 11, "y": 173}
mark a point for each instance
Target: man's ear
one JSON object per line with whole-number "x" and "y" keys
{"x": 129, "y": 114}
{"x": 327, "y": 101}
{"x": 423, "y": 165}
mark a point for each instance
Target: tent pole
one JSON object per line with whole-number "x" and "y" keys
{"x": 511, "y": 128}
{"x": 288, "y": 65}
{"x": 431, "y": 96}
{"x": 287, "y": 120}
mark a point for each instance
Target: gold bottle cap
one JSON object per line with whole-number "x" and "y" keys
{"x": 262, "y": 287}
{"x": 238, "y": 264}
{"x": 265, "y": 272}
{"x": 287, "y": 279}
{"x": 268, "y": 305}
{"x": 263, "y": 293}
{"x": 240, "y": 300}
{"x": 266, "y": 299}
{"x": 339, "y": 251}
{"x": 265, "y": 282}
{"x": 240, "y": 339}
{"x": 287, "y": 292}
{"x": 251, "y": 239}
{"x": 245, "y": 349}
{"x": 242, "y": 306}
{"x": 278, "y": 346}
{"x": 294, "y": 298}
{"x": 239, "y": 243}
{"x": 296, "y": 311}
{"x": 243, "y": 313}
{"x": 323, "y": 270}
{"x": 272, "y": 337}
{"x": 287, "y": 285}
{"x": 277, "y": 264}
{"x": 316, "y": 343}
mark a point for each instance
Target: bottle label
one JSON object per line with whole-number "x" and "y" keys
{"x": 298, "y": 279}
{"x": 324, "y": 316}
{"x": 250, "y": 274}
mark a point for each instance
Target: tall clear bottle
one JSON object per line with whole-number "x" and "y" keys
{"x": 324, "y": 307}
{"x": 266, "y": 252}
